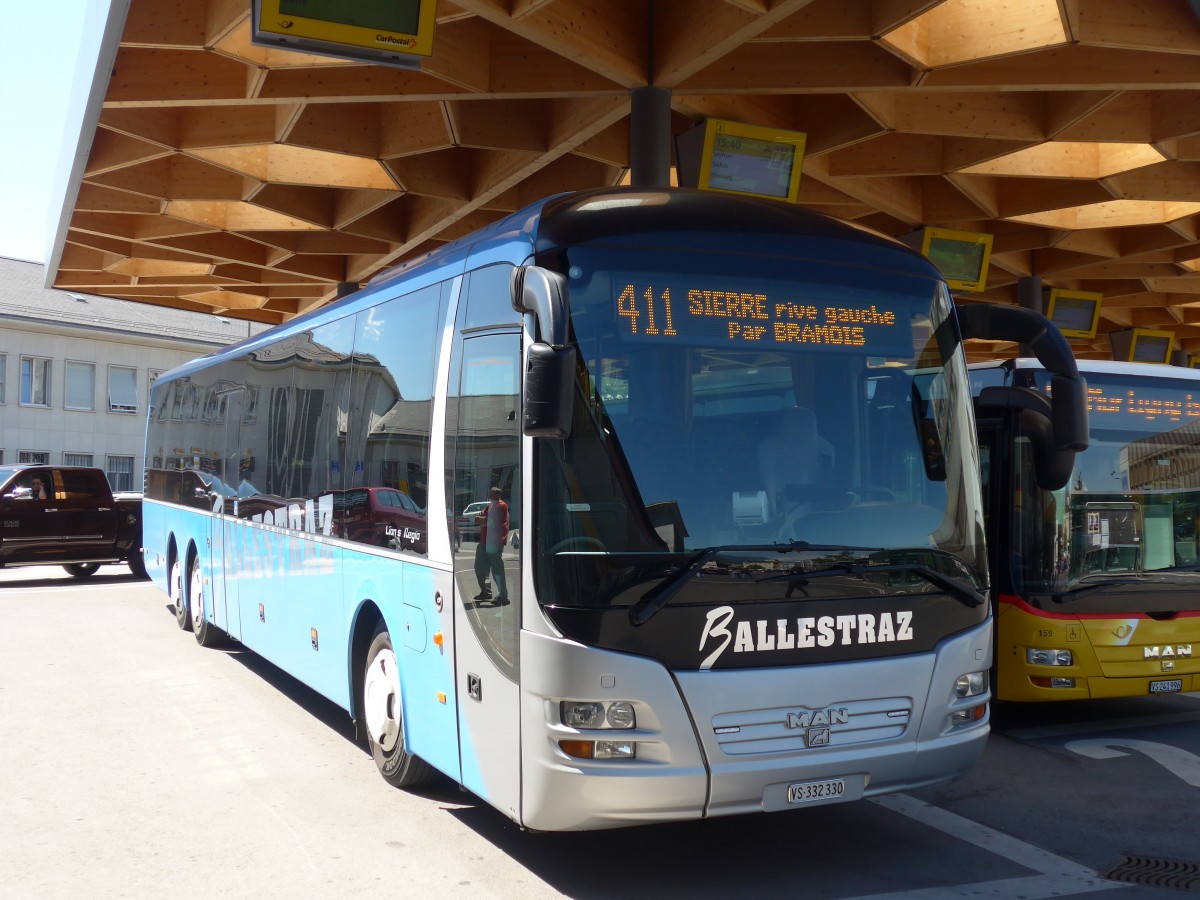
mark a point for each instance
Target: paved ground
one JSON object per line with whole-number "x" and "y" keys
{"x": 135, "y": 764}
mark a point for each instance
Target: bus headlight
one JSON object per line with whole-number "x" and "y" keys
{"x": 1039, "y": 657}
{"x": 970, "y": 685}
{"x": 587, "y": 714}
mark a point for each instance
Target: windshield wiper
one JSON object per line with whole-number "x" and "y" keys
{"x": 960, "y": 590}
{"x": 660, "y": 595}
{"x": 1077, "y": 593}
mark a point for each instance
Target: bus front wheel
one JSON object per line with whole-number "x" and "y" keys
{"x": 383, "y": 716}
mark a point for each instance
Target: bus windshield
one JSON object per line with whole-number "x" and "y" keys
{"x": 1128, "y": 515}
{"x": 727, "y": 409}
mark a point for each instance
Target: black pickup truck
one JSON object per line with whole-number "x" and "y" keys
{"x": 67, "y": 516}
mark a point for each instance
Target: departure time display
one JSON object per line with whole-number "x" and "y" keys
{"x": 652, "y": 309}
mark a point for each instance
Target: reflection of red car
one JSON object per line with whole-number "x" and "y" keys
{"x": 384, "y": 517}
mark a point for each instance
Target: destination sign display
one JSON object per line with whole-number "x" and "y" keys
{"x": 1148, "y": 405}
{"x": 710, "y": 312}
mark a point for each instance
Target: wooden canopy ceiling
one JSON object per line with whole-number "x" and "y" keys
{"x": 251, "y": 182}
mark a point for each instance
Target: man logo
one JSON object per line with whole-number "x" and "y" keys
{"x": 816, "y": 724}
{"x": 817, "y": 737}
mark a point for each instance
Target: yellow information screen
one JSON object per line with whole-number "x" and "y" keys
{"x": 750, "y": 159}
{"x": 719, "y": 311}
{"x": 398, "y": 26}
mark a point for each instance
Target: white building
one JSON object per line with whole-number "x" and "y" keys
{"x": 76, "y": 370}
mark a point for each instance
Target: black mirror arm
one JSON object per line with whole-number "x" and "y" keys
{"x": 993, "y": 322}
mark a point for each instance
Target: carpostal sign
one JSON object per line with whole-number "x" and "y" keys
{"x": 723, "y": 631}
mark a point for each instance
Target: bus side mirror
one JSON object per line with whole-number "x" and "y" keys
{"x": 550, "y": 362}
{"x": 1052, "y": 465}
{"x": 549, "y": 390}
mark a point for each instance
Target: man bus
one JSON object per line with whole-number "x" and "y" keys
{"x": 699, "y": 412}
{"x": 1096, "y": 579}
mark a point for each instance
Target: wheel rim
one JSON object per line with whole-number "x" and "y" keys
{"x": 177, "y": 588}
{"x": 381, "y": 700}
{"x": 196, "y": 597}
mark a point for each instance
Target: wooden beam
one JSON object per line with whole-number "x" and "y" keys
{"x": 352, "y": 129}
{"x": 691, "y": 37}
{"x": 462, "y": 54}
{"x": 1175, "y": 181}
{"x": 501, "y": 124}
{"x": 823, "y": 20}
{"x": 889, "y": 154}
{"x": 196, "y": 77}
{"x": 112, "y": 150}
{"x": 98, "y": 198}
{"x": 1074, "y": 66}
{"x": 774, "y": 68}
{"x": 997, "y": 116}
{"x": 608, "y": 37}
{"x": 158, "y": 125}
{"x": 166, "y": 24}
{"x": 1170, "y": 27}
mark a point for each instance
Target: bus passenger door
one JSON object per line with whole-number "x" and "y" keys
{"x": 226, "y": 532}
{"x": 486, "y": 416}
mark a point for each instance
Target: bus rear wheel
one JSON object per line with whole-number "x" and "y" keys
{"x": 205, "y": 632}
{"x": 178, "y": 597}
{"x": 382, "y": 713}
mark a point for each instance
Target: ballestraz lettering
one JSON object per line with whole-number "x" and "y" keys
{"x": 761, "y": 635}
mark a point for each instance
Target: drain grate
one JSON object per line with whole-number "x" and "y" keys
{"x": 1156, "y": 872}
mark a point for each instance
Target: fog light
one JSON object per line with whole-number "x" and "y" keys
{"x": 967, "y": 716}
{"x": 616, "y": 749}
{"x": 1053, "y": 682}
{"x": 599, "y": 749}
{"x": 1037, "y": 657}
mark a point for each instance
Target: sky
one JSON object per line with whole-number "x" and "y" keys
{"x": 37, "y": 69}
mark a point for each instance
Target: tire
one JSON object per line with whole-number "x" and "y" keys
{"x": 383, "y": 717}
{"x": 183, "y": 615}
{"x": 207, "y": 634}
{"x": 82, "y": 570}
{"x": 137, "y": 565}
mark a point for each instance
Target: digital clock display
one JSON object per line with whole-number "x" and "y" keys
{"x": 712, "y": 312}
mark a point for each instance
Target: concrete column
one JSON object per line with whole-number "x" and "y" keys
{"x": 650, "y": 137}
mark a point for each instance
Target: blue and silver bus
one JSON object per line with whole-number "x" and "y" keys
{"x": 621, "y": 510}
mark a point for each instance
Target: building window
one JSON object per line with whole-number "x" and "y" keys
{"x": 77, "y": 459}
{"x": 33, "y": 457}
{"x": 81, "y": 386}
{"x": 122, "y": 389}
{"x": 35, "y": 381}
{"x": 120, "y": 473}
{"x": 3, "y": 374}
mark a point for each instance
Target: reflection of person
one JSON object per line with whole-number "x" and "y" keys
{"x": 493, "y": 535}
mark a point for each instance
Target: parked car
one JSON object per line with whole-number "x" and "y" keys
{"x": 67, "y": 516}
{"x": 385, "y": 517}
{"x": 468, "y": 528}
